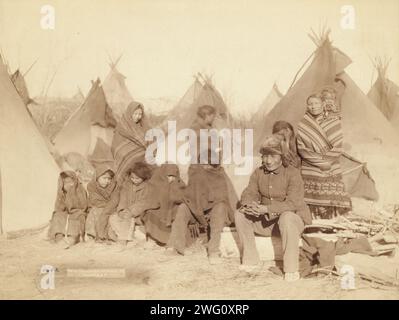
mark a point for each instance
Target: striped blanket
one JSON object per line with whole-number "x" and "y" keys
{"x": 129, "y": 145}
{"x": 320, "y": 147}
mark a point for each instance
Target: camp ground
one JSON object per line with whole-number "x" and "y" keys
{"x": 77, "y": 115}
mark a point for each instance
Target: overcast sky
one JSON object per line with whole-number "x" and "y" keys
{"x": 245, "y": 45}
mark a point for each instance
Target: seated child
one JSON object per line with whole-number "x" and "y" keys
{"x": 134, "y": 189}
{"x": 70, "y": 209}
{"x": 103, "y": 200}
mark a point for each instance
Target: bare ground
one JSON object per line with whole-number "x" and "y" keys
{"x": 153, "y": 275}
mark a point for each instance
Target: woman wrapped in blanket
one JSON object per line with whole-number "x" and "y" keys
{"x": 128, "y": 144}
{"x": 70, "y": 210}
{"x": 103, "y": 200}
{"x": 319, "y": 143}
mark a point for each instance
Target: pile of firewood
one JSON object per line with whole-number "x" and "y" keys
{"x": 379, "y": 227}
{"x": 382, "y": 231}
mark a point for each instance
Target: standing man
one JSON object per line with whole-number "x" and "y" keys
{"x": 273, "y": 201}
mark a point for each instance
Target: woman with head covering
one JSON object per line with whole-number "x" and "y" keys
{"x": 319, "y": 143}
{"x": 286, "y": 132}
{"x": 103, "y": 193}
{"x": 165, "y": 195}
{"x": 70, "y": 209}
{"x": 128, "y": 144}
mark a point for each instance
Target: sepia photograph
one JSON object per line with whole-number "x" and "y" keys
{"x": 199, "y": 150}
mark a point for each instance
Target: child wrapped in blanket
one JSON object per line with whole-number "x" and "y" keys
{"x": 132, "y": 201}
{"x": 68, "y": 220}
{"x": 103, "y": 200}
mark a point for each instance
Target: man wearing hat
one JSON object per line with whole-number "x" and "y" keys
{"x": 273, "y": 204}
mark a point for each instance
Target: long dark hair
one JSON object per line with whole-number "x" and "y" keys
{"x": 281, "y": 125}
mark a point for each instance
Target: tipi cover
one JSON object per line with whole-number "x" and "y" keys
{"x": 368, "y": 136}
{"x": 258, "y": 117}
{"x": 101, "y": 154}
{"x": 199, "y": 94}
{"x": 93, "y": 119}
{"x": 116, "y": 92}
{"x": 28, "y": 172}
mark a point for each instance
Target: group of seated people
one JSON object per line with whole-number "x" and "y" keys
{"x": 298, "y": 177}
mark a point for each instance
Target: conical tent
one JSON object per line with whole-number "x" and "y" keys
{"x": 385, "y": 94}
{"x": 186, "y": 101}
{"x": 367, "y": 134}
{"x": 102, "y": 153}
{"x": 199, "y": 94}
{"x": 93, "y": 119}
{"x": 28, "y": 172}
{"x": 258, "y": 117}
{"x": 78, "y": 96}
{"x": 116, "y": 92}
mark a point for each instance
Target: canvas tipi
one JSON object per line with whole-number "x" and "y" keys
{"x": 116, "y": 92}
{"x": 201, "y": 92}
{"x": 188, "y": 99}
{"x": 258, "y": 117}
{"x": 78, "y": 96}
{"x": 102, "y": 154}
{"x": 28, "y": 172}
{"x": 385, "y": 94}
{"x": 367, "y": 135}
{"x": 93, "y": 119}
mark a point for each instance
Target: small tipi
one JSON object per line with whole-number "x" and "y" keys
{"x": 78, "y": 96}
{"x": 102, "y": 154}
{"x": 186, "y": 101}
{"x": 28, "y": 173}
{"x": 385, "y": 93}
{"x": 116, "y": 92}
{"x": 93, "y": 119}
{"x": 201, "y": 92}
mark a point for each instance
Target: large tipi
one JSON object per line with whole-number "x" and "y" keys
{"x": 28, "y": 173}
{"x": 385, "y": 94}
{"x": 367, "y": 135}
{"x": 116, "y": 92}
{"x": 93, "y": 119}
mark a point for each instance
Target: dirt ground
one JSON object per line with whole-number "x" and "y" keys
{"x": 150, "y": 274}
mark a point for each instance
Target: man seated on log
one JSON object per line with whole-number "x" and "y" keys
{"x": 209, "y": 200}
{"x": 272, "y": 203}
